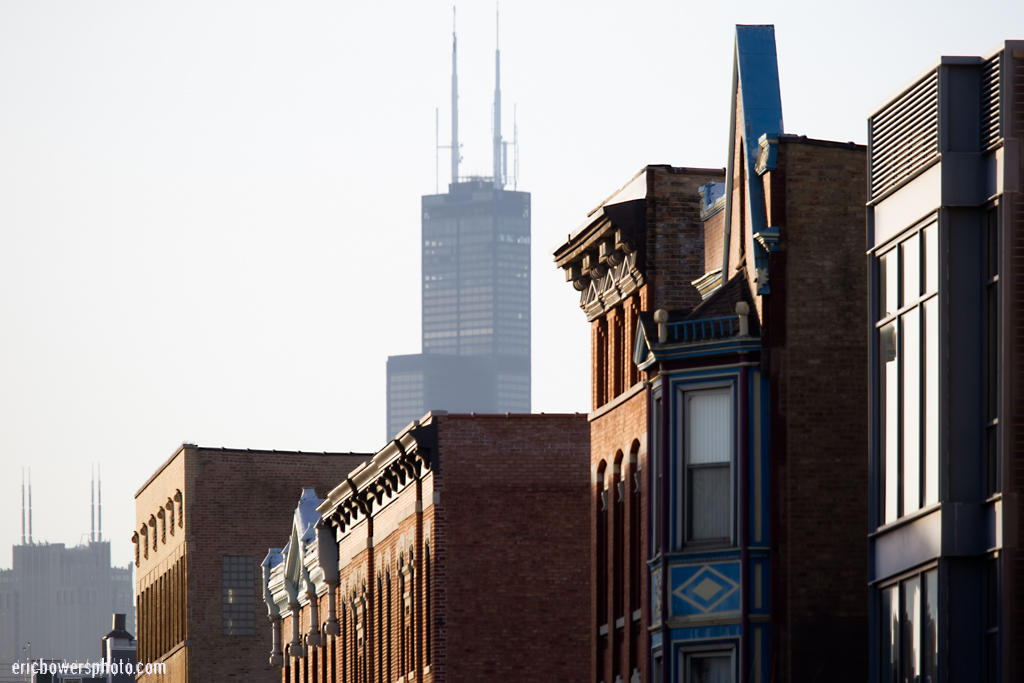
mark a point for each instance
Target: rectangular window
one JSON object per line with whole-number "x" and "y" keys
{"x": 908, "y": 374}
{"x": 707, "y": 667}
{"x": 908, "y": 630}
{"x": 708, "y": 439}
{"x": 238, "y": 595}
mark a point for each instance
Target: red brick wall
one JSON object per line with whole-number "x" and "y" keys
{"x": 817, "y": 355}
{"x": 616, "y": 435}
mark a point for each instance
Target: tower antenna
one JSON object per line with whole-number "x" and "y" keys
{"x": 455, "y": 104}
{"x": 99, "y": 504}
{"x": 23, "y": 506}
{"x": 515, "y": 146}
{"x": 498, "y": 179}
{"x": 30, "y": 505}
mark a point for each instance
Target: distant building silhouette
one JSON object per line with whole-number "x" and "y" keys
{"x": 61, "y": 599}
{"x": 475, "y": 295}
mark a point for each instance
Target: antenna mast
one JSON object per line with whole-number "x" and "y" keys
{"x": 455, "y": 104}
{"x": 30, "y": 506}
{"x": 23, "y": 506}
{"x": 99, "y": 504}
{"x": 498, "y": 177}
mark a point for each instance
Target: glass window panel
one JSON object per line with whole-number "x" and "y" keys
{"x": 911, "y": 263}
{"x": 993, "y": 460}
{"x": 993, "y": 351}
{"x": 889, "y": 420}
{"x": 890, "y": 635}
{"x": 930, "y": 348}
{"x": 910, "y": 632}
{"x": 709, "y": 503}
{"x": 993, "y": 243}
{"x": 911, "y": 327}
{"x": 709, "y": 669}
{"x": 930, "y": 628}
{"x": 930, "y": 235}
{"x": 888, "y": 289}
{"x": 708, "y": 427}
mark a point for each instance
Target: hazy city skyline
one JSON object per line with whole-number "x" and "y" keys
{"x": 210, "y": 226}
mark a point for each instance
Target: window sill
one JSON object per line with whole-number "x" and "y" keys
{"x": 906, "y": 519}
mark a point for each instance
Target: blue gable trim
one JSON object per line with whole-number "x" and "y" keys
{"x": 756, "y": 70}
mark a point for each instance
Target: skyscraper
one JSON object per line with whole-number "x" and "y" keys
{"x": 475, "y": 244}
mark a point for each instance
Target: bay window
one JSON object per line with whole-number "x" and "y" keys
{"x": 708, "y": 446}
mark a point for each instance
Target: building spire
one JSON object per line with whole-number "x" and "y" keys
{"x": 455, "y": 104}
{"x": 99, "y": 504}
{"x": 499, "y": 182}
{"x": 92, "y": 505}
{"x": 23, "y": 506}
{"x": 30, "y": 505}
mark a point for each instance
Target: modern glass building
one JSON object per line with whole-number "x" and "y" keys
{"x": 945, "y": 227}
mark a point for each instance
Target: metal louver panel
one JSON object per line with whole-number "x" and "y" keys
{"x": 991, "y": 130}
{"x": 1016, "y": 111}
{"x": 905, "y": 135}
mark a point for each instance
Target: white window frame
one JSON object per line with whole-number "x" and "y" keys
{"x": 682, "y": 533}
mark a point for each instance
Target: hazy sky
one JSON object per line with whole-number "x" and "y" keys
{"x": 209, "y": 212}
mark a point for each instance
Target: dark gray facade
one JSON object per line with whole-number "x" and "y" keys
{"x": 945, "y": 238}
{"x": 476, "y": 308}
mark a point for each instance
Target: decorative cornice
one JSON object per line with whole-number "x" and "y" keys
{"x": 768, "y": 238}
{"x": 618, "y": 283}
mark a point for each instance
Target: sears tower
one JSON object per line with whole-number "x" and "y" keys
{"x": 475, "y": 243}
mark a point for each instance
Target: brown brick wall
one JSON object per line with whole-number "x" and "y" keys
{"x": 817, "y": 354}
{"x": 513, "y": 549}
{"x": 675, "y": 235}
{"x": 713, "y": 242}
{"x": 235, "y": 503}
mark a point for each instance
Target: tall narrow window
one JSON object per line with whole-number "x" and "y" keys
{"x": 601, "y": 505}
{"x": 908, "y": 373}
{"x": 909, "y": 630}
{"x": 992, "y": 620}
{"x": 379, "y": 635}
{"x": 654, "y": 457}
{"x": 992, "y": 352}
{"x": 709, "y": 444}
{"x": 427, "y": 631}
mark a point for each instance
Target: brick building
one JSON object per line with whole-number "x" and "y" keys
{"x": 204, "y": 520}
{"x": 946, "y": 261}
{"x": 635, "y": 252}
{"x": 458, "y": 553}
{"x": 731, "y": 378}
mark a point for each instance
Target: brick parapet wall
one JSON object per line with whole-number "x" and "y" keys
{"x": 675, "y": 234}
{"x": 817, "y": 355}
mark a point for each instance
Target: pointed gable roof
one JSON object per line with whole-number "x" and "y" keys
{"x": 757, "y": 102}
